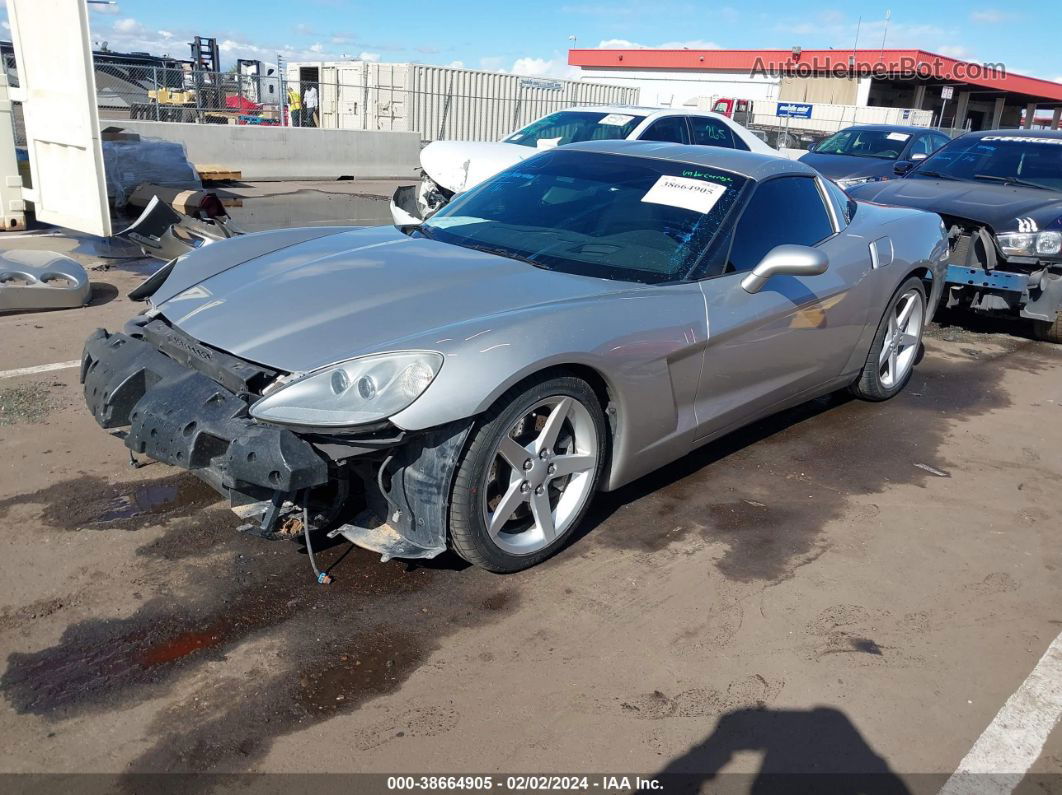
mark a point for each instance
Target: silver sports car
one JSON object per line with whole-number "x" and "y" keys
{"x": 567, "y": 326}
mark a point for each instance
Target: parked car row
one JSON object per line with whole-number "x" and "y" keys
{"x": 562, "y": 325}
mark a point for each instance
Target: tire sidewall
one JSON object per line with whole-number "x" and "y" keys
{"x": 870, "y": 385}
{"x": 468, "y": 528}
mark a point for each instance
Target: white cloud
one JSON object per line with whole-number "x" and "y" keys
{"x": 128, "y": 25}
{"x": 98, "y": 9}
{"x": 369, "y": 56}
{"x": 492, "y": 63}
{"x": 954, "y": 51}
{"x": 626, "y": 44}
{"x": 165, "y": 34}
{"x": 990, "y": 16}
{"x": 456, "y": 64}
{"x": 317, "y": 48}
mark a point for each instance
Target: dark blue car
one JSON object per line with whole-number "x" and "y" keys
{"x": 872, "y": 152}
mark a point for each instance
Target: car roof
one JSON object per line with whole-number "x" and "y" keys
{"x": 748, "y": 164}
{"x": 1021, "y": 133}
{"x": 908, "y": 128}
{"x": 643, "y": 110}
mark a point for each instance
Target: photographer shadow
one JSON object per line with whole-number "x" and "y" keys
{"x": 817, "y": 750}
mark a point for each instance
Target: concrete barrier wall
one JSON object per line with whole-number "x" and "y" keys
{"x": 290, "y": 152}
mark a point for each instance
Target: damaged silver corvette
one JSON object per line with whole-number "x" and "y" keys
{"x": 567, "y": 326}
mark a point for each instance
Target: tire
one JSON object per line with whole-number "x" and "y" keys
{"x": 874, "y": 384}
{"x": 487, "y": 485}
{"x": 1048, "y": 331}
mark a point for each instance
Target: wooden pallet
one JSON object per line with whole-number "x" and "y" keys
{"x": 213, "y": 173}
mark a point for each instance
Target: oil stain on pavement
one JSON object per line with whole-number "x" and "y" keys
{"x": 339, "y": 645}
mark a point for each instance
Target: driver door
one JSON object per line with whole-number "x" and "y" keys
{"x": 794, "y": 335}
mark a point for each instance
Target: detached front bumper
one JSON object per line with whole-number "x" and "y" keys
{"x": 182, "y": 417}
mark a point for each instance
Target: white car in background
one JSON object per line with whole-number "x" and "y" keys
{"x": 451, "y": 167}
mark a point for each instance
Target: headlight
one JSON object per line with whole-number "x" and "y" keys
{"x": 848, "y": 183}
{"x": 1030, "y": 244}
{"x": 356, "y": 392}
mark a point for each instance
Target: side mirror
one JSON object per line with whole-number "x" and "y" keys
{"x": 902, "y": 167}
{"x": 786, "y": 260}
{"x": 811, "y": 146}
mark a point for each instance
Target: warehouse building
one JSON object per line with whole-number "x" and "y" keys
{"x": 958, "y": 93}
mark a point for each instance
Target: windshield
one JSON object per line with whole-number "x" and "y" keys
{"x": 865, "y": 143}
{"x": 571, "y": 126}
{"x": 998, "y": 158}
{"x": 612, "y": 216}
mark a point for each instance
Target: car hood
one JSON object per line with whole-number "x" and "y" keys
{"x": 848, "y": 166}
{"x": 361, "y": 292}
{"x": 459, "y": 165}
{"x": 997, "y": 206}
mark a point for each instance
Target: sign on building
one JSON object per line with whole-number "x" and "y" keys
{"x": 793, "y": 110}
{"x": 947, "y": 92}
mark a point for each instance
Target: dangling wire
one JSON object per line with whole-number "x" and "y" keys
{"x": 323, "y": 578}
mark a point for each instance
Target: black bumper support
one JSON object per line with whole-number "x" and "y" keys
{"x": 182, "y": 417}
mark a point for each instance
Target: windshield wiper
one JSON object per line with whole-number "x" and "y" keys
{"x": 935, "y": 174}
{"x": 1012, "y": 181}
{"x": 501, "y": 252}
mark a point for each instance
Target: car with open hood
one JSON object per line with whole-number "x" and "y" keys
{"x": 1000, "y": 195}
{"x": 567, "y": 326}
{"x": 872, "y": 152}
{"x": 450, "y": 167}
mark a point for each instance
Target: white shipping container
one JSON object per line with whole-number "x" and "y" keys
{"x": 441, "y": 102}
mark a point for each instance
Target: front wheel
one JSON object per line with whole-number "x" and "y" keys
{"x": 897, "y": 342}
{"x": 527, "y": 477}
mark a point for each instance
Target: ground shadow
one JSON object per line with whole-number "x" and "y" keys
{"x": 608, "y": 503}
{"x": 804, "y": 751}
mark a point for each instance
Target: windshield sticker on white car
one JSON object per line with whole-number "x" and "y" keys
{"x": 689, "y": 194}
{"x": 615, "y": 119}
{"x": 898, "y": 136}
{"x": 547, "y": 143}
{"x": 1025, "y": 139}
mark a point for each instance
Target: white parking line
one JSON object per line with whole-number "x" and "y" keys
{"x": 1015, "y": 738}
{"x": 40, "y": 368}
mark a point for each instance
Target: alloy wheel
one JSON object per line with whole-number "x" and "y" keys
{"x": 541, "y": 475}
{"x": 902, "y": 338}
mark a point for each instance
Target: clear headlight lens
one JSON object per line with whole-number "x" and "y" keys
{"x": 356, "y": 392}
{"x": 850, "y": 181}
{"x": 1030, "y": 244}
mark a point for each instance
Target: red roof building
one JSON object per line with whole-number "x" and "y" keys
{"x": 983, "y": 96}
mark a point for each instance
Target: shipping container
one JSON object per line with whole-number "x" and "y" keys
{"x": 440, "y": 102}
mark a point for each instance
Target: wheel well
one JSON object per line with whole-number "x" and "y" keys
{"x": 925, "y": 274}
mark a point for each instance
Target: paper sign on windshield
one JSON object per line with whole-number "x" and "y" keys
{"x": 689, "y": 194}
{"x": 897, "y": 136}
{"x": 615, "y": 119}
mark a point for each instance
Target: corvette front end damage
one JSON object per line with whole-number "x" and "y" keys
{"x": 183, "y": 403}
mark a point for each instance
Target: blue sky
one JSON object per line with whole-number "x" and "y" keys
{"x": 532, "y": 37}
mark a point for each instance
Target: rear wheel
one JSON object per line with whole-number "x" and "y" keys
{"x": 528, "y": 475}
{"x": 1049, "y": 331}
{"x": 897, "y": 342}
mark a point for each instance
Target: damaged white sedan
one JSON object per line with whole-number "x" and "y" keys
{"x": 452, "y": 167}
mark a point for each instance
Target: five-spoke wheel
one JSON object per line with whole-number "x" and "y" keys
{"x": 528, "y": 475}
